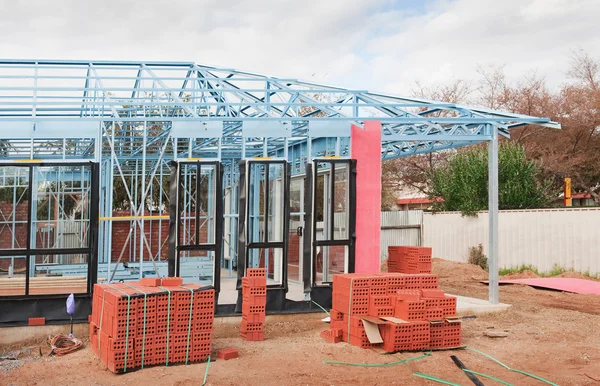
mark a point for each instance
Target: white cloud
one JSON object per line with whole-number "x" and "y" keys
{"x": 375, "y": 45}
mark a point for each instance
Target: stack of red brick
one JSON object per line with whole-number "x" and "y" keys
{"x": 151, "y": 322}
{"x": 419, "y": 315}
{"x": 254, "y": 304}
{"x": 409, "y": 259}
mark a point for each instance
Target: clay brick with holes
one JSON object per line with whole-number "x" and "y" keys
{"x": 254, "y": 291}
{"x": 150, "y": 281}
{"x": 252, "y": 336}
{"x": 227, "y": 353}
{"x": 255, "y": 281}
{"x": 361, "y": 342}
{"x": 94, "y": 338}
{"x": 335, "y": 315}
{"x": 434, "y": 314}
{"x": 355, "y": 321}
{"x": 408, "y": 295}
{"x": 381, "y": 311}
{"x": 171, "y": 281}
{"x": 250, "y": 327}
{"x": 351, "y": 280}
{"x": 36, "y": 321}
{"x": 421, "y": 331}
{"x": 409, "y": 316}
{"x": 431, "y": 303}
{"x": 255, "y": 300}
{"x": 254, "y": 318}
{"x": 253, "y": 309}
{"x": 432, "y": 293}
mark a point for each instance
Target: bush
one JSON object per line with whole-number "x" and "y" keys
{"x": 477, "y": 257}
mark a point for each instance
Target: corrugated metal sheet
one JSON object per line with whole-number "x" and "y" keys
{"x": 541, "y": 238}
{"x": 400, "y": 228}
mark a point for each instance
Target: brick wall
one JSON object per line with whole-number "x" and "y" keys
{"x": 152, "y": 228}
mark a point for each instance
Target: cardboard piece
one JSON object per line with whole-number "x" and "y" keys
{"x": 394, "y": 319}
{"x": 373, "y": 320}
{"x": 372, "y": 332}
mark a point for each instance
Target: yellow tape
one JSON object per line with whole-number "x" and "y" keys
{"x": 129, "y": 218}
{"x": 28, "y": 160}
{"x": 333, "y": 156}
{"x": 193, "y": 159}
{"x": 261, "y": 158}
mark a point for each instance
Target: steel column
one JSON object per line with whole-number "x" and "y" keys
{"x": 493, "y": 214}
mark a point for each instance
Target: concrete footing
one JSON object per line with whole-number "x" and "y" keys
{"x": 474, "y": 306}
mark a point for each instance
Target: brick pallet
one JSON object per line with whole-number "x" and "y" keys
{"x": 403, "y": 259}
{"x": 254, "y": 304}
{"x": 151, "y": 322}
{"x": 415, "y": 314}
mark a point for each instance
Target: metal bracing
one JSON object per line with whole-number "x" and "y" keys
{"x": 160, "y": 92}
{"x": 124, "y": 115}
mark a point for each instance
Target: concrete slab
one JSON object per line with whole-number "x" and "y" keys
{"x": 37, "y": 334}
{"x": 473, "y": 306}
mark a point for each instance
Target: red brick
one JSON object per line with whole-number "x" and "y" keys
{"x": 432, "y": 293}
{"x": 151, "y": 281}
{"x": 171, "y": 281}
{"x": 335, "y": 315}
{"x": 408, "y": 295}
{"x": 37, "y": 321}
{"x": 254, "y": 281}
{"x": 254, "y": 318}
{"x": 227, "y": 353}
{"x": 253, "y": 336}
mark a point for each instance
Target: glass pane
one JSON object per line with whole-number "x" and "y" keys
{"x": 187, "y": 205}
{"x": 12, "y": 275}
{"x": 14, "y": 190}
{"x": 340, "y": 202}
{"x": 296, "y": 193}
{"x": 329, "y": 261}
{"x": 61, "y": 206}
{"x": 59, "y": 274}
{"x": 207, "y": 200}
{"x": 321, "y": 208}
{"x": 197, "y": 267}
{"x": 256, "y": 203}
{"x": 276, "y": 212}
{"x": 295, "y": 249}
{"x": 269, "y": 258}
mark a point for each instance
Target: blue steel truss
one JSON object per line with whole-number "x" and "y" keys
{"x": 135, "y": 104}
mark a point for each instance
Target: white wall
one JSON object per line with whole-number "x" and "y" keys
{"x": 542, "y": 238}
{"x": 401, "y": 227}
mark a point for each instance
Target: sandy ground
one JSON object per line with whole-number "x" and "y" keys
{"x": 553, "y": 335}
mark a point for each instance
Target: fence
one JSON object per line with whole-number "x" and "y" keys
{"x": 541, "y": 238}
{"x": 400, "y": 228}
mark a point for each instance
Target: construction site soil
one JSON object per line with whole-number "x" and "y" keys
{"x": 550, "y": 334}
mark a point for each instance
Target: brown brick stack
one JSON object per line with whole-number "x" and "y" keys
{"x": 140, "y": 324}
{"x": 423, "y": 317}
{"x": 254, "y": 304}
{"x": 409, "y": 259}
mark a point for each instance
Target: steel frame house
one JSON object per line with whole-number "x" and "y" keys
{"x": 141, "y": 123}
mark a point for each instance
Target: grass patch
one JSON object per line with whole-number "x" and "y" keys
{"x": 555, "y": 271}
{"x": 519, "y": 269}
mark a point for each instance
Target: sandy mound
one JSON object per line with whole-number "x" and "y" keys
{"x": 464, "y": 271}
{"x": 576, "y": 275}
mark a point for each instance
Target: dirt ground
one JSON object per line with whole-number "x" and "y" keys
{"x": 550, "y": 334}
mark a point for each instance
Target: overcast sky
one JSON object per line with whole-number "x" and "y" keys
{"x": 375, "y": 45}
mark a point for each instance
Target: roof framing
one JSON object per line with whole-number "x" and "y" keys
{"x": 151, "y": 93}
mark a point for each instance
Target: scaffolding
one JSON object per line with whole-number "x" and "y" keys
{"x": 138, "y": 119}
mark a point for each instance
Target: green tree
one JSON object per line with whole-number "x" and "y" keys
{"x": 463, "y": 182}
